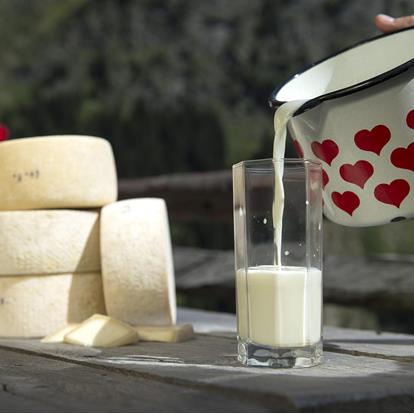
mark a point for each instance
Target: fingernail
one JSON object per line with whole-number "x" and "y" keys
{"x": 386, "y": 18}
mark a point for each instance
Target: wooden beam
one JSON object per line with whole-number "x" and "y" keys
{"x": 188, "y": 196}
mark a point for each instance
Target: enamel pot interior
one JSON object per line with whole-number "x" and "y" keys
{"x": 355, "y": 68}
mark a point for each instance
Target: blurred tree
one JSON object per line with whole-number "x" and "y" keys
{"x": 175, "y": 85}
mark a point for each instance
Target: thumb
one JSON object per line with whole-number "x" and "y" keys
{"x": 388, "y": 24}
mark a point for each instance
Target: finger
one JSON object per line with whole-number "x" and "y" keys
{"x": 388, "y": 24}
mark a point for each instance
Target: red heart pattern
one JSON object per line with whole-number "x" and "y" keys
{"x": 4, "y": 132}
{"x": 357, "y": 174}
{"x": 410, "y": 119}
{"x": 393, "y": 193}
{"x": 348, "y": 201}
{"x": 373, "y": 140}
{"x": 325, "y": 151}
{"x": 325, "y": 178}
{"x": 298, "y": 148}
{"x": 403, "y": 157}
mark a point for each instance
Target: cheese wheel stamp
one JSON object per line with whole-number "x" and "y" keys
{"x": 60, "y": 171}
{"x": 49, "y": 242}
{"x": 36, "y": 306}
{"x": 136, "y": 261}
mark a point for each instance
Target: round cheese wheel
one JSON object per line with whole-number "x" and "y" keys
{"x": 49, "y": 242}
{"x": 66, "y": 171}
{"x": 35, "y": 306}
{"x": 137, "y": 264}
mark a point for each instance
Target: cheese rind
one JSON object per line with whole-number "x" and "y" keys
{"x": 35, "y": 306}
{"x": 61, "y": 171}
{"x": 59, "y": 336}
{"x": 49, "y": 242}
{"x": 102, "y": 331}
{"x": 136, "y": 262}
{"x": 173, "y": 333}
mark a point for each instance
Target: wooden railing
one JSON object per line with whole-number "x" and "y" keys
{"x": 203, "y": 196}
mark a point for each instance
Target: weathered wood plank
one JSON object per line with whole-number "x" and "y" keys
{"x": 351, "y": 341}
{"x": 347, "y": 280}
{"x": 395, "y": 346}
{"x": 208, "y": 363}
{"x": 32, "y": 383}
{"x": 209, "y": 194}
{"x": 208, "y": 321}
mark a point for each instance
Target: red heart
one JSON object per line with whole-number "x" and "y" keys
{"x": 373, "y": 140}
{"x": 298, "y": 148}
{"x": 357, "y": 174}
{"x": 404, "y": 157}
{"x": 393, "y": 193}
{"x": 325, "y": 178}
{"x": 326, "y": 151}
{"x": 410, "y": 119}
{"x": 348, "y": 201}
{"x": 4, "y": 132}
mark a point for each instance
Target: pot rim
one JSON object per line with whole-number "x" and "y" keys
{"x": 311, "y": 103}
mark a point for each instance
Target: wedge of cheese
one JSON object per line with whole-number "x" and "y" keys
{"x": 49, "y": 242}
{"x": 102, "y": 331}
{"x": 59, "y": 336}
{"x": 66, "y": 171}
{"x": 136, "y": 262}
{"x": 173, "y": 333}
{"x": 35, "y": 306}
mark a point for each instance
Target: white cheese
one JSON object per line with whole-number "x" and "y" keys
{"x": 59, "y": 336}
{"x": 66, "y": 171}
{"x": 49, "y": 242}
{"x": 136, "y": 261}
{"x": 102, "y": 331}
{"x": 35, "y": 306}
{"x": 173, "y": 333}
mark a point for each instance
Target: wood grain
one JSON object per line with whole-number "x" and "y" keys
{"x": 362, "y": 371}
{"x": 347, "y": 280}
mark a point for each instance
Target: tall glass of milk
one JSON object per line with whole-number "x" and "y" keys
{"x": 278, "y": 258}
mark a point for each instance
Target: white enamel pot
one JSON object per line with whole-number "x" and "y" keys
{"x": 357, "y": 119}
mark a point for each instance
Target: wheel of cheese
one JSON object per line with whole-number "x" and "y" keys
{"x": 35, "y": 306}
{"x": 66, "y": 171}
{"x": 49, "y": 242}
{"x": 136, "y": 261}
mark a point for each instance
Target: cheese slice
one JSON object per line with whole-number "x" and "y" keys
{"x": 35, "y": 306}
{"x": 49, "y": 242}
{"x": 59, "y": 336}
{"x": 66, "y": 171}
{"x": 102, "y": 331}
{"x": 137, "y": 264}
{"x": 173, "y": 333}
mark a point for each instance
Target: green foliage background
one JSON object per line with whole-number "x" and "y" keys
{"x": 175, "y": 85}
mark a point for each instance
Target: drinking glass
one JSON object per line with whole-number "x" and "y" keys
{"x": 278, "y": 261}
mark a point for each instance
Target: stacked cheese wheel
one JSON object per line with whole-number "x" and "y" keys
{"x": 61, "y": 259}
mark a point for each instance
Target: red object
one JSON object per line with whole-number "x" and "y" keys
{"x": 325, "y": 178}
{"x": 298, "y": 148}
{"x": 403, "y": 157}
{"x": 4, "y": 132}
{"x": 348, "y": 201}
{"x": 393, "y": 193}
{"x": 410, "y": 119}
{"x": 373, "y": 140}
{"x": 326, "y": 151}
{"x": 358, "y": 174}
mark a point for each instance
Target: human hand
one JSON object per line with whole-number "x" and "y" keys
{"x": 387, "y": 24}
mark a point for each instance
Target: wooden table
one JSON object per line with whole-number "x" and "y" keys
{"x": 362, "y": 371}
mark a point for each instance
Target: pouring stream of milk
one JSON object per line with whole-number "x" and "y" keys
{"x": 282, "y": 117}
